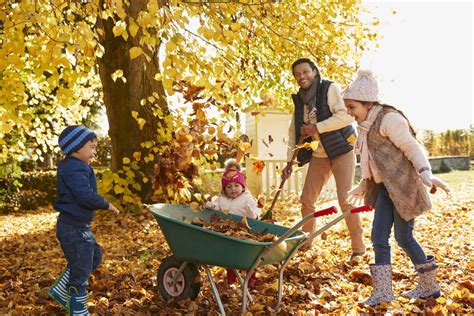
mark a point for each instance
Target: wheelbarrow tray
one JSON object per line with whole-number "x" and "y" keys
{"x": 196, "y": 244}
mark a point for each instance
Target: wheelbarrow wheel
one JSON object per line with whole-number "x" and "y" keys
{"x": 187, "y": 284}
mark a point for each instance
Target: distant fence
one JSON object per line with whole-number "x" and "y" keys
{"x": 271, "y": 180}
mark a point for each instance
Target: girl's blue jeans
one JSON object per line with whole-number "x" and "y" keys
{"x": 385, "y": 217}
{"x": 82, "y": 253}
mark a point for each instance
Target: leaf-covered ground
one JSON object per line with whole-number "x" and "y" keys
{"x": 320, "y": 281}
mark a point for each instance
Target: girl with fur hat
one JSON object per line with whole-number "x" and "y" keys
{"x": 236, "y": 199}
{"x": 395, "y": 177}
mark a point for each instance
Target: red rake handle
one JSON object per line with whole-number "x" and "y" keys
{"x": 327, "y": 211}
{"x": 365, "y": 208}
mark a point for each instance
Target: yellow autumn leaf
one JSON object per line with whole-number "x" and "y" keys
{"x": 258, "y": 166}
{"x": 141, "y": 122}
{"x": 117, "y": 74}
{"x": 438, "y": 308}
{"x": 235, "y": 26}
{"x": 312, "y": 145}
{"x": 220, "y": 133}
{"x": 171, "y": 73}
{"x": 352, "y": 139}
{"x": 137, "y": 155}
{"x": 135, "y": 52}
{"x": 243, "y": 146}
{"x": 168, "y": 85}
{"x": 229, "y": 35}
{"x": 118, "y": 189}
{"x": 257, "y": 307}
{"x": 206, "y": 32}
{"x": 170, "y": 46}
{"x": 195, "y": 207}
{"x": 147, "y": 144}
{"x": 117, "y": 31}
{"x": 133, "y": 28}
{"x": 153, "y": 6}
{"x": 125, "y": 35}
{"x": 245, "y": 222}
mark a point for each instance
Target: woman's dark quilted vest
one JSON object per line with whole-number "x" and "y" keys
{"x": 335, "y": 143}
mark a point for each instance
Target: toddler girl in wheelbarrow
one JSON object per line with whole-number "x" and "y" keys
{"x": 236, "y": 199}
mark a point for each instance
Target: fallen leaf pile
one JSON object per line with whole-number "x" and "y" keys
{"x": 230, "y": 227}
{"x": 318, "y": 281}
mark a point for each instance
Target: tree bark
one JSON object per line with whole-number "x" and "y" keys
{"x": 121, "y": 98}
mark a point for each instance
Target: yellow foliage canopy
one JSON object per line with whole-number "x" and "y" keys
{"x": 238, "y": 55}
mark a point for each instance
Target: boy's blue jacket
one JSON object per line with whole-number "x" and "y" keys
{"x": 77, "y": 193}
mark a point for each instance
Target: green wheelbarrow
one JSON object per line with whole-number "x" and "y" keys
{"x": 194, "y": 246}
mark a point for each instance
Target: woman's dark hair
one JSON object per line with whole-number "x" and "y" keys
{"x": 412, "y": 130}
{"x": 302, "y": 61}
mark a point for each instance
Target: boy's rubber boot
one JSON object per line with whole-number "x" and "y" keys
{"x": 77, "y": 304}
{"x": 58, "y": 291}
{"x": 382, "y": 283}
{"x": 427, "y": 286}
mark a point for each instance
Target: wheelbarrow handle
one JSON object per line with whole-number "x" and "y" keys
{"x": 327, "y": 211}
{"x": 364, "y": 208}
{"x": 304, "y": 220}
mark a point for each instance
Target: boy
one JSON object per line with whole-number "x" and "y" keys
{"x": 77, "y": 202}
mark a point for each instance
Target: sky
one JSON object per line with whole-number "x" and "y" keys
{"x": 424, "y": 61}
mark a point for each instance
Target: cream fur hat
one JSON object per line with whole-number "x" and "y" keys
{"x": 364, "y": 88}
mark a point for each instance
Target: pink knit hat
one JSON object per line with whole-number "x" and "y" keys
{"x": 232, "y": 174}
{"x": 364, "y": 88}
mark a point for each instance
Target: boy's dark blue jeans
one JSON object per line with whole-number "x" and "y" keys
{"x": 385, "y": 217}
{"x": 82, "y": 253}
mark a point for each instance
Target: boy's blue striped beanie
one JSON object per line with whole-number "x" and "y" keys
{"x": 73, "y": 137}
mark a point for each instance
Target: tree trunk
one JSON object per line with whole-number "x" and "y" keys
{"x": 47, "y": 162}
{"x": 121, "y": 98}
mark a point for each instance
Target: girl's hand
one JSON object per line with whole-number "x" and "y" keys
{"x": 356, "y": 195}
{"x": 113, "y": 209}
{"x": 427, "y": 178}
